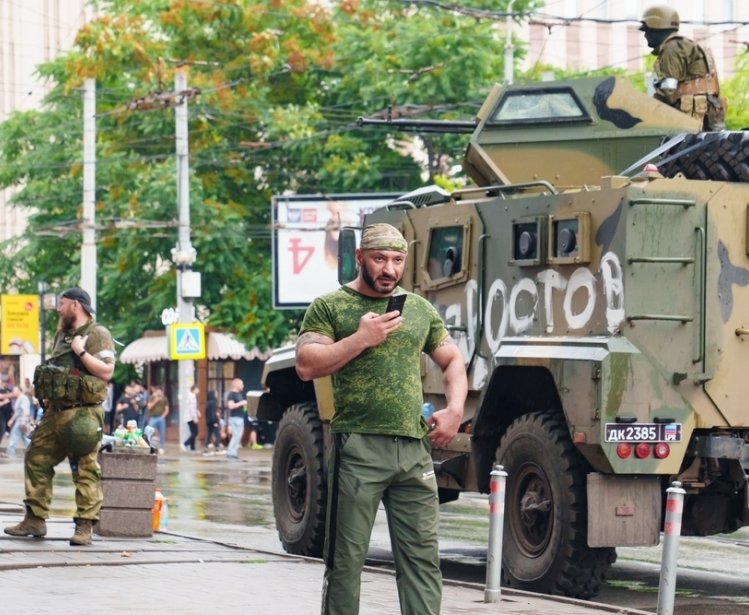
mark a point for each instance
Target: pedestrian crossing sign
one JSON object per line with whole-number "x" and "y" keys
{"x": 187, "y": 341}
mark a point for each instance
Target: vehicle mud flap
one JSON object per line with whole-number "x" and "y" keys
{"x": 454, "y": 467}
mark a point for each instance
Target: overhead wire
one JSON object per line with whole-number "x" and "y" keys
{"x": 163, "y": 140}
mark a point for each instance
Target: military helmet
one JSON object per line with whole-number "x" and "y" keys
{"x": 660, "y": 17}
{"x": 82, "y": 433}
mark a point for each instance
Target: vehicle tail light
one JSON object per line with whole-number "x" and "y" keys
{"x": 662, "y": 450}
{"x": 642, "y": 450}
{"x": 624, "y": 450}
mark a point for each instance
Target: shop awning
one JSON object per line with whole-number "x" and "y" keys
{"x": 219, "y": 347}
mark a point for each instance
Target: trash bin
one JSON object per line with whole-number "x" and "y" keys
{"x": 127, "y": 476}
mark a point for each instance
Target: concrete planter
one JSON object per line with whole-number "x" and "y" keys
{"x": 128, "y": 484}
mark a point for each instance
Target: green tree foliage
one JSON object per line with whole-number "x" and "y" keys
{"x": 736, "y": 91}
{"x": 279, "y": 86}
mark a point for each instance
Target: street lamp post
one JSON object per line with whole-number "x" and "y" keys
{"x": 42, "y": 287}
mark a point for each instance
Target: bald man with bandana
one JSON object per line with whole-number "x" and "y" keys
{"x": 381, "y": 444}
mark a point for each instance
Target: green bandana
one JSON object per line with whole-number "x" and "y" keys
{"x": 383, "y": 237}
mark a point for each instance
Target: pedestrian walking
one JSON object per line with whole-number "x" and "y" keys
{"x": 236, "y": 404}
{"x": 381, "y": 444}
{"x": 22, "y": 422}
{"x": 158, "y": 410}
{"x": 71, "y": 385}
{"x": 212, "y": 422}
{"x": 191, "y": 417}
{"x": 6, "y": 410}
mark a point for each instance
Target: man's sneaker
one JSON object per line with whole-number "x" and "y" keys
{"x": 82, "y": 535}
{"x": 257, "y": 447}
{"x": 30, "y": 526}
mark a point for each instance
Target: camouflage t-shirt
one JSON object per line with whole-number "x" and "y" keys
{"x": 378, "y": 392}
{"x": 99, "y": 344}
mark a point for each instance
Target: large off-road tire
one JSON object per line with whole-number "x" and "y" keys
{"x": 545, "y": 533}
{"x": 719, "y": 156}
{"x": 299, "y": 482}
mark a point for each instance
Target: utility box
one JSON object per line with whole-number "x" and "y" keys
{"x": 127, "y": 478}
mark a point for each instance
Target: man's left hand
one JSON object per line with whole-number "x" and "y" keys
{"x": 78, "y": 343}
{"x": 444, "y": 425}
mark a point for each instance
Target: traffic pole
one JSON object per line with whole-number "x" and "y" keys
{"x": 671, "y": 534}
{"x": 493, "y": 591}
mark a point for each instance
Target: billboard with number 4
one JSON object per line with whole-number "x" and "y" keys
{"x": 305, "y": 242}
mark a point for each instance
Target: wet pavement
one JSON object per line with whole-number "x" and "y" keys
{"x": 175, "y": 573}
{"x": 221, "y": 522}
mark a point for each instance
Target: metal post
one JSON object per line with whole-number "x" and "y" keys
{"x": 671, "y": 534}
{"x": 493, "y": 591}
{"x": 184, "y": 255}
{"x": 42, "y": 287}
{"x": 509, "y": 56}
{"x": 88, "y": 244}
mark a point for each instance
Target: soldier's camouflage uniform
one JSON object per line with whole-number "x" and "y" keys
{"x": 698, "y": 92}
{"x": 70, "y": 429}
{"x": 380, "y": 453}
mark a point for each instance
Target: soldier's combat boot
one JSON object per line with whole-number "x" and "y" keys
{"x": 82, "y": 534}
{"x": 30, "y": 526}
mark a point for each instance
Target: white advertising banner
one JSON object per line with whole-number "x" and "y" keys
{"x": 305, "y": 242}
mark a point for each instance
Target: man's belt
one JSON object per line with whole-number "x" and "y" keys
{"x": 701, "y": 85}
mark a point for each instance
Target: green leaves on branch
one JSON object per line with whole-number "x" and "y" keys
{"x": 281, "y": 85}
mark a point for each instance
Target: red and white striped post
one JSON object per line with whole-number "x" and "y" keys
{"x": 493, "y": 591}
{"x": 671, "y": 534}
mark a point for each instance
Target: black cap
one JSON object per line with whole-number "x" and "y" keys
{"x": 81, "y": 296}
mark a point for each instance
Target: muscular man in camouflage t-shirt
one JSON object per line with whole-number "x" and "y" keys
{"x": 380, "y": 449}
{"x": 360, "y": 407}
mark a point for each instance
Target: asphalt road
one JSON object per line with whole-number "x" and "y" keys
{"x": 235, "y": 497}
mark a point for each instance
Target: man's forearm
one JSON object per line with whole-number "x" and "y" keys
{"x": 454, "y": 381}
{"x": 318, "y": 356}
{"x": 455, "y": 385}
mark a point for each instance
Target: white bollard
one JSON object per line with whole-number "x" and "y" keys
{"x": 493, "y": 591}
{"x": 669, "y": 558}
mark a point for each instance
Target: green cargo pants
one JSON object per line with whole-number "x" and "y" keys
{"x": 364, "y": 470}
{"x": 49, "y": 446}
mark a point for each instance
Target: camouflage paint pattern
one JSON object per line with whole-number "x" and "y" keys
{"x": 640, "y": 323}
{"x": 572, "y": 288}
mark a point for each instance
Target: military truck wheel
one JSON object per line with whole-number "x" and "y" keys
{"x": 299, "y": 484}
{"x": 545, "y": 539}
{"x": 718, "y": 156}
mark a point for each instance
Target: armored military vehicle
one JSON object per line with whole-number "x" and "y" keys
{"x": 596, "y": 279}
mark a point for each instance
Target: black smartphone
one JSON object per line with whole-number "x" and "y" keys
{"x": 395, "y": 303}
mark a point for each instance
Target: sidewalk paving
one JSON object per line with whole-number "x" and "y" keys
{"x": 178, "y": 574}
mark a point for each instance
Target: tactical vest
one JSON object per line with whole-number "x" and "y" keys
{"x": 63, "y": 380}
{"x": 698, "y": 95}
{"x": 703, "y": 84}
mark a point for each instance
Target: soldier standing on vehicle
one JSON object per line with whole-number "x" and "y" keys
{"x": 71, "y": 385}
{"x": 686, "y": 77}
{"x": 381, "y": 445}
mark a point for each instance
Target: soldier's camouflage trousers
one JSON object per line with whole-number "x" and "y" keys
{"x": 57, "y": 437}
